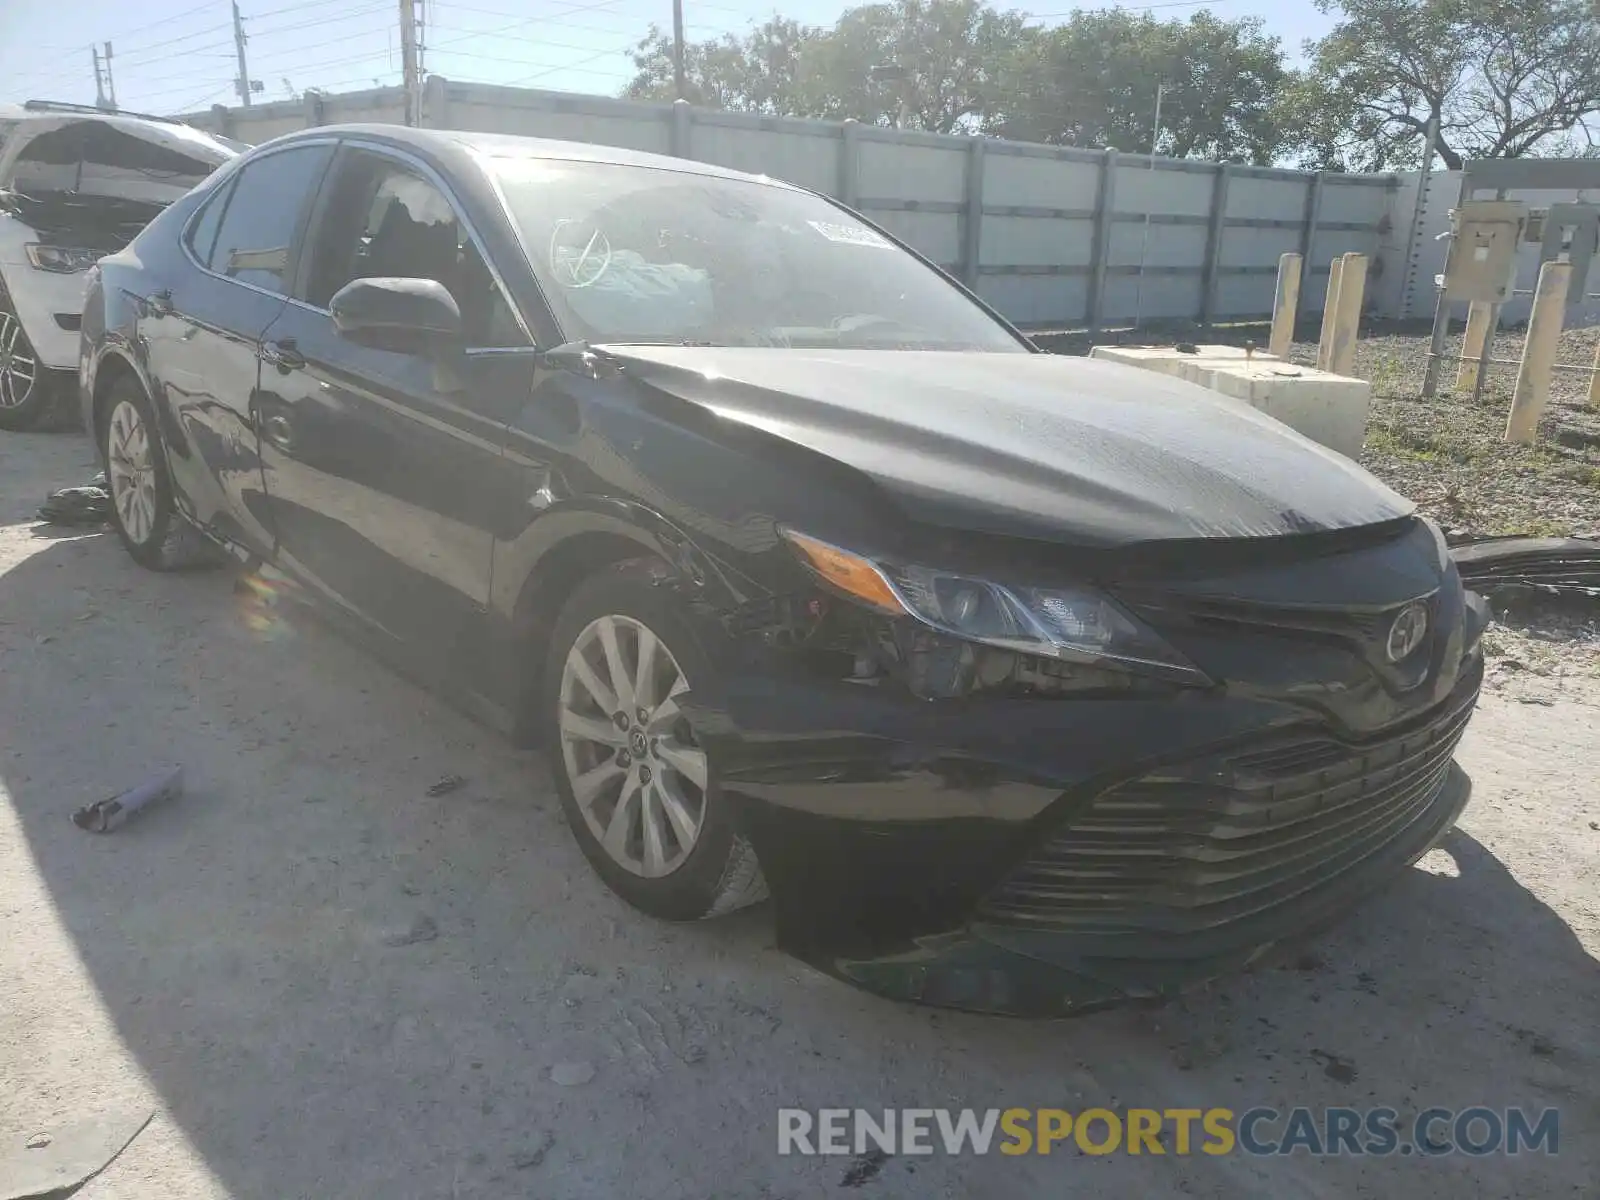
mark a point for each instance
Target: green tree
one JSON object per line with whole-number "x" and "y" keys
{"x": 945, "y": 54}
{"x": 762, "y": 72}
{"x": 947, "y": 59}
{"x": 1092, "y": 82}
{"x": 1500, "y": 78}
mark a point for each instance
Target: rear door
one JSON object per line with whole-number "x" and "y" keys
{"x": 202, "y": 328}
{"x": 384, "y": 470}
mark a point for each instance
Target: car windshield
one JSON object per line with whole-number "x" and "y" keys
{"x": 95, "y": 158}
{"x": 644, "y": 254}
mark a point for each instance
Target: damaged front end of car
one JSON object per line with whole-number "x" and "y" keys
{"x": 1036, "y": 781}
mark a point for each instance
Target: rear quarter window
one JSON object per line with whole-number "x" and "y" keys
{"x": 202, "y": 235}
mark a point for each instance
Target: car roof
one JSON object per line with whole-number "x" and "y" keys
{"x": 505, "y": 145}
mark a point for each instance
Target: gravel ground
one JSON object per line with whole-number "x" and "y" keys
{"x": 1449, "y": 454}
{"x": 326, "y": 983}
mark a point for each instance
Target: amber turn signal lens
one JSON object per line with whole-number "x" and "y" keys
{"x": 850, "y": 573}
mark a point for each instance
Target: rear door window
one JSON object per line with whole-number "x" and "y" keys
{"x": 255, "y": 241}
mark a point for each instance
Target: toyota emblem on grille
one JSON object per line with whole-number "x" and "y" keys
{"x": 1406, "y": 634}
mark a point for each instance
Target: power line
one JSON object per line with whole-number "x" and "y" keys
{"x": 128, "y": 33}
{"x": 299, "y": 25}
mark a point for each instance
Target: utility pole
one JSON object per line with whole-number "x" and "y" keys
{"x": 410, "y": 64}
{"x": 679, "y": 86}
{"x": 1144, "y": 246}
{"x": 243, "y": 82}
{"x": 111, "y": 84}
{"x": 99, "y": 79}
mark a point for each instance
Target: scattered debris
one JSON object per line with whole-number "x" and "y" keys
{"x": 572, "y": 1074}
{"x": 59, "y": 1162}
{"x": 87, "y": 504}
{"x": 423, "y": 928}
{"x": 864, "y": 1168}
{"x": 1542, "y": 701}
{"x": 105, "y": 815}
{"x": 1558, "y": 566}
{"x": 534, "y": 1155}
{"x": 446, "y": 785}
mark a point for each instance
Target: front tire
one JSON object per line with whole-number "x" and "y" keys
{"x": 28, "y": 389}
{"x": 142, "y": 508}
{"x": 641, "y": 796}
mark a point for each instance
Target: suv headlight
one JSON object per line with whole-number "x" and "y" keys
{"x": 62, "y": 260}
{"x": 1074, "y": 623}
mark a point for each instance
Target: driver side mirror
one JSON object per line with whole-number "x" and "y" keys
{"x": 406, "y": 316}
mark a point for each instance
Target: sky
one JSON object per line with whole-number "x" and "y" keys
{"x": 177, "y": 56}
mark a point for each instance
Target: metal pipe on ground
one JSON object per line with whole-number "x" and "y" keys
{"x": 1285, "y": 303}
{"x": 1539, "y": 352}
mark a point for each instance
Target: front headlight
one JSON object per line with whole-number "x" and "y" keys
{"x": 62, "y": 260}
{"x": 1073, "y": 623}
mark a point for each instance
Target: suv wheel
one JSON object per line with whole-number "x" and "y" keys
{"x": 641, "y": 796}
{"x": 26, "y": 388}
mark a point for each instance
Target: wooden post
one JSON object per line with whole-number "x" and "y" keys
{"x": 1285, "y": 303}
{"x": 1352, "y": 290}
{"x": 1330, "y": 314}
{"x": 1472, "y": 345}
{"x": 1539, "y": 352}
{"x": 1594, "y": 380}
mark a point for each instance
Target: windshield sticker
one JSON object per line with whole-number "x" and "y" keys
{"x": 850, "y": 235}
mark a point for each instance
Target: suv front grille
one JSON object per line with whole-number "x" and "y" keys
{"x": 1198, "y": 846}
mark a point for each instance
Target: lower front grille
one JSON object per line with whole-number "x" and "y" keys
{"x": 1201, "y": 845}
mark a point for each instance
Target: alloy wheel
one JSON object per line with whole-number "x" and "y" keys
{"x": 637, "y": 774}
{"x": 19, "y": 369}
{"x": 132, "y": 473}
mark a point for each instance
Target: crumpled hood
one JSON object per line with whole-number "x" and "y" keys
{"x": 1032, "y": 445}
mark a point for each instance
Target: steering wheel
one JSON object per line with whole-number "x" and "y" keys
{"x": 580, "y": 253}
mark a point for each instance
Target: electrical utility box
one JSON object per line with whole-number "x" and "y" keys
{"x": 1569, "y": 233}
{"x": 1482, "y": 263}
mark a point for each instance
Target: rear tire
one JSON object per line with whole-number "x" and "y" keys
{"x": 642, "y": 798}
{"x": 143, "y": 512}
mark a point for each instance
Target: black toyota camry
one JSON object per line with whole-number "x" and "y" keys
{"x": 1023, "y": 683}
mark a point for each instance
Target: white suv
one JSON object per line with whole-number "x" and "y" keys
{"x": 76, "y": 184}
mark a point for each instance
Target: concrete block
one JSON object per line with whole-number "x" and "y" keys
{"x": 1330, "y": 409}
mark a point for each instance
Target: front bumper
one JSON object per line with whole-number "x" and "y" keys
{"x": 50, "y": 307}
{"x": 1047, "y": 857}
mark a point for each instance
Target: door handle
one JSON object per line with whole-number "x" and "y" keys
{"x": 283, "y": 355}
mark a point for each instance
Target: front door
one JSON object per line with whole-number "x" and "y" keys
{"x": 384, "y": 469}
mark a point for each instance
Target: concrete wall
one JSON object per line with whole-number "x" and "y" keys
{"x": 1054, "y": 237}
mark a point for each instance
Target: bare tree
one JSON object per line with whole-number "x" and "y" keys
{"x": 1501, "y": 78}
